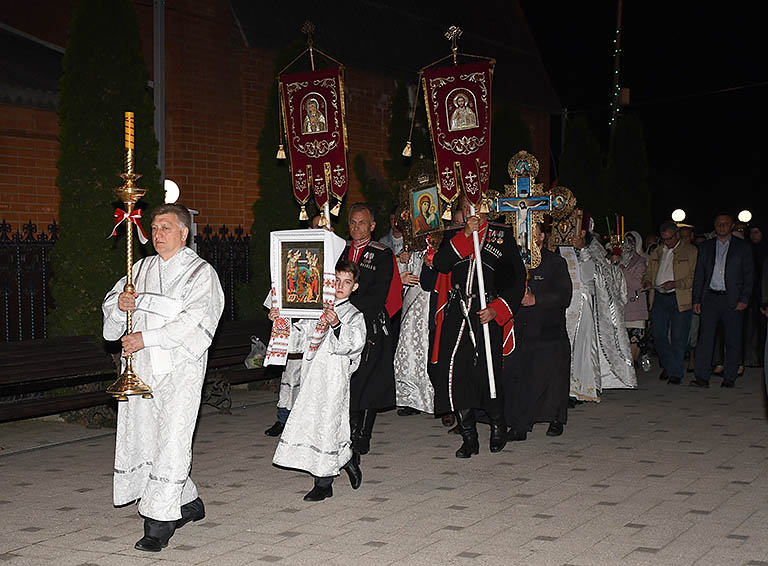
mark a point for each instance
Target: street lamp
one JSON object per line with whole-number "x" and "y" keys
{"x": 678, "y": 215}
{"x": 745, "y": 216}
{"x": 171, "y": 191}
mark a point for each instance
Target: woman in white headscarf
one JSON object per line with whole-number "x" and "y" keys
{"x": 634, "y": 263}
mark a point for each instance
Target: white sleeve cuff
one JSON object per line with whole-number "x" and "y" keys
{"x": 150, "y": 337}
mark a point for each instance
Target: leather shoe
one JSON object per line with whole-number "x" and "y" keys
{"x": 699, "y": 383}
{"x": 555, "y": 429}
{"x": 319, "y": 493}
{"x": 673, "y": 380}
{"x": 663, "y": 376}
{"x": 407, "y": 412}
{"x": 353, "y": 471}
{"x": 276, "y": 429}
{"x": 192, "y": 511}
{"x": 517, "y": 435}
{"x": 150, "y": 544}
{"x": 727, "y": 383}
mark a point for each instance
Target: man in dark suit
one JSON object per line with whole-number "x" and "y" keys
{"x": 722, "y": 285}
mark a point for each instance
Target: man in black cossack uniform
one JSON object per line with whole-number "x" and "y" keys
{"x": 378, "y": 297}
{"x": 458, "y": 367}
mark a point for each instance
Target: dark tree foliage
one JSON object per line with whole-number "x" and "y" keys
{"x": 103, "y": 76}
{"x": 509, "y": 134}
{"x": 378, "y": 192}
{"x": 582, "y": 171}
{"x": 628, "y": 172}
{"x": 276, "y": 208}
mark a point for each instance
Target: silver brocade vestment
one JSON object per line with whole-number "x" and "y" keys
{"x": 414, "y": 389}
{"x": 316, "y": 438}
{"x": 179, "y": 305}
{"x": 600, "y": 353}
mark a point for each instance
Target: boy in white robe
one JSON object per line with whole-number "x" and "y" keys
{"x": 316, "y": 438}
{"x": 176, "y": 307}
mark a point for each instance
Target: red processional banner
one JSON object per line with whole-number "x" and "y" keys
{"x": 458, "y": 100}
{"x": 313, "y": 113}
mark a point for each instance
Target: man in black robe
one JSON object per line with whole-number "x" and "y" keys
{"x": 537, "y": 375}
{"x": 372, "y": 386}
{"x": 458, "y": 369}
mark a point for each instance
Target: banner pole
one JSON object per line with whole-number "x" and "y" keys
{"x": 481, "y": 290}
{"x": 327, "y": 211}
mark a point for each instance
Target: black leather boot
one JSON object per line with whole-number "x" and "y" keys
{"x": 353, "y": 470}
{"x": 468, "y": 431}
{"x": 364, "y": 439}
{"x": 355, "y": 428}
{"x": 498, "y": 431}
{"x": 192, "y": 511}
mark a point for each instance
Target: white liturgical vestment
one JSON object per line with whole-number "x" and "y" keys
{"x": 179, "y": 305}
{"x": 316, "y": 438}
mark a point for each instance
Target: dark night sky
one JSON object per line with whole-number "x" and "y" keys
{"x": 707, "y": 150}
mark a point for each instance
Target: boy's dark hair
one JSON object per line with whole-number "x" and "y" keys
{"x": 346, "y": 266}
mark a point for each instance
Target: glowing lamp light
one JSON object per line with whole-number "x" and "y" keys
{"x": 171, "y": 191}
{"x": 678, "y": 215}
{"x": 745, "y": 216}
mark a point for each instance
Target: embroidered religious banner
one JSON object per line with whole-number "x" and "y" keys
{"x": 458, "y": 100}
{"x": 312, "y": 104}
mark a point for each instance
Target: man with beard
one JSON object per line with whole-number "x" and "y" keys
{"x": 458, "y": 363}
{"x": 537, "y": 374}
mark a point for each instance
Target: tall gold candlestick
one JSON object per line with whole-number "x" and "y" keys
{"x": 128, "y": 383}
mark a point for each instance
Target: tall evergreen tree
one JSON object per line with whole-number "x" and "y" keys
{"x": 628, "y": 172}
{"x": 509, "y": 134}
{"x": 581, "y": 170}
{"x": 104, "y": 75}
{"x": 276, "y": 208}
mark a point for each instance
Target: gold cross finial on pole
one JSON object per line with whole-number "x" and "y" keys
{"x": 453, "y": 34}
{"x": 308, "y": 29}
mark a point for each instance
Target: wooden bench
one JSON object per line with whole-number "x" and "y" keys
{"x": 31, "y": 369}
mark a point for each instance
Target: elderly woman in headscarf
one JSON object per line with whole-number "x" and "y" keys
{"x": 633, "y": 263}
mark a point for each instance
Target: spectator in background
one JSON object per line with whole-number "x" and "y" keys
{"x": 670, "y": 278}
{"x": 754, "y": 321}
{"x": 721, "y": 292}
{"x": 633, "y": 265}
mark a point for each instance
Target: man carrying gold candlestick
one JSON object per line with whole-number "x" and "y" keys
{"x": 176, "y": 307}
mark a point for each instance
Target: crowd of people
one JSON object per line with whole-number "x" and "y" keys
{"x": 408, "y": 329}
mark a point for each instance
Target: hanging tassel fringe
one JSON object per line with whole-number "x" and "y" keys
{"x": 323, "y": 221}
{"x": 303, "y": 214}
{"x": 484, "y": 208}
{"x": 407, "y": 152}
{"x": 337, "y": 208}
{"x": 280, "y": 152}
{"x": 447, "y": 214}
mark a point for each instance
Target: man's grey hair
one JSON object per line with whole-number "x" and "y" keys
{"x": 358, "y": 206}
{"x": 182, "y": 213}
{"x": 667, "y": 226}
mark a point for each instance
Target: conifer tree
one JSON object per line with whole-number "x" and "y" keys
{"x": 628, "y": 171}
{"x": 103, "y": 76}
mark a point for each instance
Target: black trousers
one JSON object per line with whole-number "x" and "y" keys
{"x": 715, "y": 309}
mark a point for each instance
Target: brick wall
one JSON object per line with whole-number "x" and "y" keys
{"x": 216, "y": 93}
{"x": 29, "y": 148}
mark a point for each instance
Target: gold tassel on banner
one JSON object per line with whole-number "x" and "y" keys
{"x": 336, "y": 208}
{"x": 447, "y": 214}
{"x": 484, "y": 208}
{"x": 303, "y": 214}
{"x": 323, "y": 222}
{"x": 280, "y": 152}
{"x": 407, "y": 150}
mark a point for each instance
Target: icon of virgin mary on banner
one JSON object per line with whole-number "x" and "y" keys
{"x": 312, "y": 104}
{"x": 458, "y": 100}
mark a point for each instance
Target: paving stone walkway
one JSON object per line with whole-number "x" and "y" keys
{"x": 665, "y": 475}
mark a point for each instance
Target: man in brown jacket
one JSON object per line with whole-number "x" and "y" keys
{"x": 671, "y": 267}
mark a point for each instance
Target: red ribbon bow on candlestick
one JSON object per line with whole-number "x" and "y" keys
{"x": 135, "y": 217}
